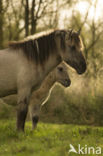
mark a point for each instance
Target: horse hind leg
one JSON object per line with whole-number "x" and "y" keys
{"x": 35, "y": 120}
{"x": 34, "y": 110}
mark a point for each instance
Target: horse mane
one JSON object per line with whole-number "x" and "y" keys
{"x": 40, "y": 46}
{"x": 37, "y": 47}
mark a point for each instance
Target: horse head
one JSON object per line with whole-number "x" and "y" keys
{"x": 71, "y": 50}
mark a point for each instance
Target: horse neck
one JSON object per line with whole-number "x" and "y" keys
{"x": 51, "y": 63}
{"x": 49, "y": 81}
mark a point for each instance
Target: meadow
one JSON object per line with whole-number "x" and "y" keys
{"x": 47, "y": 140}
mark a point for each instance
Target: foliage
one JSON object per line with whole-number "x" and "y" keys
{"x": 24, "y": 19}
{"x": 68, "y": 108}
{"x": 47, "y": 139}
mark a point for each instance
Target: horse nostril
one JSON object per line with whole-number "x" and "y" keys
{"x": 68, "y": 82}
{"x": 82, "y": 68}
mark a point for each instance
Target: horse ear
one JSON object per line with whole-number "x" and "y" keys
{"x": 63, "y": 40}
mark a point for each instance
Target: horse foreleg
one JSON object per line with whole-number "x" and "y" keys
{"x": 22, "y": 111}
{"x": 21, "y": 115}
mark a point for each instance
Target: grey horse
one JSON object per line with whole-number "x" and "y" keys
{"x": 25, "y": 64}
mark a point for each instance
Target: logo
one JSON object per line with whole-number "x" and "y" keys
{"x": 85, "y": 150}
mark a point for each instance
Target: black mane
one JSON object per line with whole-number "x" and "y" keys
{"x": 38, "y": 49}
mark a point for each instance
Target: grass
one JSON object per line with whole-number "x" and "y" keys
{"x": 47, "y": 139}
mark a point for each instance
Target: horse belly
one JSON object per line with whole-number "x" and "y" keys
{"x": 7, "y": 74}
{"x": 7, "y": 87}
{"x": 7, "y": 83}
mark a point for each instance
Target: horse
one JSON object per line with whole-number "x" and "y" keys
{"x": 39, "y": 97}
{"x": 25, "y": 64}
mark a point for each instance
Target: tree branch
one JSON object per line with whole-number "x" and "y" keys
{"x": 39, "y": 5}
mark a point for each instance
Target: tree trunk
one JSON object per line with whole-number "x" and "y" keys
{"x": 33, "y": 27}
{"x": 27, "y": 18}
{"x": 1, "y": 24}
{"x": 33, "y": 18}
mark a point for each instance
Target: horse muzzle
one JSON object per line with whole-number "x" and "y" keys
{"x": 82, "y": 68}
{"x": 66, "y": 83}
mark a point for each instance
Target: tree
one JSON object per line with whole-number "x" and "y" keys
{"x": 1, "y": 23}
{"x": 39, "y": 9}
{"x": 27, "y": 18}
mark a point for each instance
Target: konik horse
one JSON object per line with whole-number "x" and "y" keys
{"x": 25, "y": 64}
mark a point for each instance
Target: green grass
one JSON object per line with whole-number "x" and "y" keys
{"x": 47, "y": 139}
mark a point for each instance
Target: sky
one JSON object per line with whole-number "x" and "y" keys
{"x": 82, "y": 7}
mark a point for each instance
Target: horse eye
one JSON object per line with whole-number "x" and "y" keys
{"x": 60, "y": 69}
